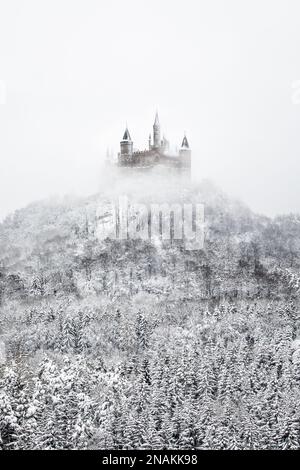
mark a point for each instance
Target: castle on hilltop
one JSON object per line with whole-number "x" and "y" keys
{"x": 158, "y": 153}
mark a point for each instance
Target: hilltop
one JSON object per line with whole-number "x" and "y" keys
{"x": 50, "y": 243}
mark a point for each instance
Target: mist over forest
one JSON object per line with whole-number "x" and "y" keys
{"x": 131, "y": 344}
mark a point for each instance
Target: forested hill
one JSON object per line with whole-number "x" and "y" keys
{"x": 51, "y": 248}
{"x": 142, "y": 344}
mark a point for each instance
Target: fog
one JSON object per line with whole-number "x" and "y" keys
{"x": 72, "y": 73}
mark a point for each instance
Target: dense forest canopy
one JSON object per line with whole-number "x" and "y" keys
{"x": 134, "y": 344}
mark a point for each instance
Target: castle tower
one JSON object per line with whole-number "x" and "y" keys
{"x": 156, "y": 133}
{"x": 185, "y": 150}
{"x": 185, "y": 154}
{"x": 126, "y": 146}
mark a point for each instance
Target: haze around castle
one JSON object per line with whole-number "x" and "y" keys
{"x": 221, "y": 72}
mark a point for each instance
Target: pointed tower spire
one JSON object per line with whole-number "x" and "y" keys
{"x": 156, "y": 132}
{"x": 126, "y": 135}
{"x": 185, "y": 143}
{"x": 185, "y": 155}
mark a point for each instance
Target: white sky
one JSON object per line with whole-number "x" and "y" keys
{"x": 221, "y": 70}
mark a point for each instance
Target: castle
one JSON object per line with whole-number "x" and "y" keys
{"x": 158, "y": 153}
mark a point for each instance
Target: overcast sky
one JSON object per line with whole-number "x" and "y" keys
{"x": 73, "y": 72}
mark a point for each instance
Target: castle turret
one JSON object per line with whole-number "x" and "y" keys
{"x": 185, "y": 154}
{"x": 156, "y": 133}
{"x": 126, "y": 145}
{"x": 185, "y": 148}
